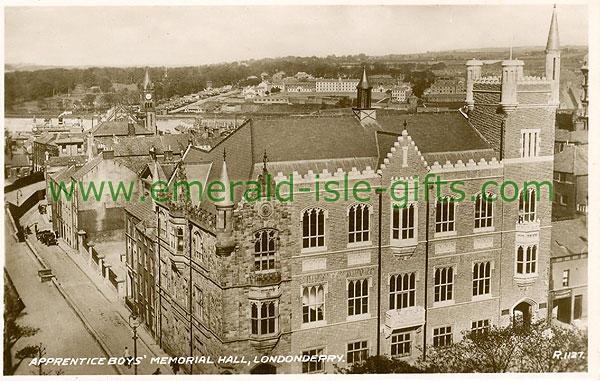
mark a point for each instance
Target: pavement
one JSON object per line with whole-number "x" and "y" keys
{"x": 95, "y": 303}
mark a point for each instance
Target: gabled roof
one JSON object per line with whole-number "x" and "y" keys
{"x": 78, "y": 175}
{"x": 572, "y": 159}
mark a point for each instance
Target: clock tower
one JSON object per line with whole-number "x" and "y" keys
{"x": 148, "y": 103}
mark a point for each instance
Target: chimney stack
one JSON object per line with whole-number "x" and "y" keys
{"x": 130, "y": 128}
{"x": 474, "y": 68}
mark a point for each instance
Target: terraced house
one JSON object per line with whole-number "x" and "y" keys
{"x": 362, "y": 275}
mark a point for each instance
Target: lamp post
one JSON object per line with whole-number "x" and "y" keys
{"x": 19, "y": 193}
{"x": 134, "y": 323}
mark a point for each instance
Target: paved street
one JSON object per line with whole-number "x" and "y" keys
{"x": 61, "y": 331}
{"x": 101, "y": 310}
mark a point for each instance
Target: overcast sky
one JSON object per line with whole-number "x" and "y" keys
{"x": 154, "y": 36}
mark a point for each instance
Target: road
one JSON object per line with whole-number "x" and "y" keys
{"x": 61, "y": 331}
{"x": 104, "y": 316}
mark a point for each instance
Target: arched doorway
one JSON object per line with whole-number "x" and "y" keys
{"x": 264, "y": 369}
{"x": 523, "y": 313}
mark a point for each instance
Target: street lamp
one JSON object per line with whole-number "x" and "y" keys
{"x": 134, "y": 323}
{"x": 19, "y": 193}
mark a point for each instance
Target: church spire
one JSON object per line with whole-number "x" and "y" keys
{"x": 364, "y": 81}
{"x": 147, "y": 81}
{"x": 553, "y": 57}
{"x": 553, "y": 40}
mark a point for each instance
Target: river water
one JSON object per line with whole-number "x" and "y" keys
{"x": 25, "y": 124}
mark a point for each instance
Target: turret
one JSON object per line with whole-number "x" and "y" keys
{"x": 363, "y": 111}
{"x": 553, "y": 57}
{"x": 512, "y": 72}
{"x": 225, "y": 239}
{"x": 474, "y": 68}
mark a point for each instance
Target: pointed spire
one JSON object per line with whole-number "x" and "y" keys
{"x": 265, "y": 159}
{"x": 147, "y": 81}
{"x": 226, "y": 194}
{"x": 553, "y": 41}
{"x": 364, "y": 81}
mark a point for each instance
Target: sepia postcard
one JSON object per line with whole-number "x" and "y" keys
{"x": 386, "y": 190}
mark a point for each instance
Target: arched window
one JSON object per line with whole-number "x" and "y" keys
{"x": 482, "y": 274}
{"x": 527, "y": 206}
{"x": 313, "y": 303}
{"x": 358, "y": 223}
{"x": 264, "y": 250}
{"x": 484, "y": 211}
{"x": 402, "y": 291}
{"x": 358, "y": 297}
{"x": 444, "y": 215}
{"x": 403, "y": 222}
{"x": 313, "y": 228}
{"x": 527, "y": 259}
{"x": 444, "y": 281}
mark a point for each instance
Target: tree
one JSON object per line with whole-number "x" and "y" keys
{"x": 546, "y": 344}
{"x": 379, "y": 364}
{"x": 514, "y": 348}
{"x": 88, "y": 100}
{"x": 13, "y": 331}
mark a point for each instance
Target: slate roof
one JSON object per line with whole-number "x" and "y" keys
{"x": 117, "y": 128}
{"x": 303, "y": 143}
{"x": 141, "y": 209}
{"x": 569, "y": 237}
{"x": 140, "y": 145}
{"x": 573, "y": 159}
{"x": 46, "y": 138}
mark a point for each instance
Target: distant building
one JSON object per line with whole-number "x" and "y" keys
{"x": 570, "y": 182}
{"x": 339, "y": 85}
{"x": 272, "y": 99}
{"x": 57, "y": 144}
{"x": 400, "y": 93}
{"x": 446, "y": 89}
{"x": 568, "y": 271}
